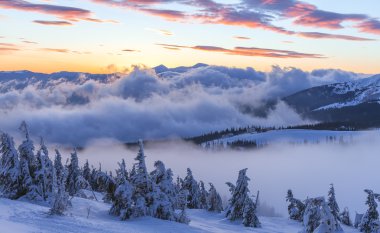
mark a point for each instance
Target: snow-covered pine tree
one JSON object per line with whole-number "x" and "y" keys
{"x": 44, "y": 172}
{"x": 182, "y": 200}
{"x": 107, "y": 184}
{"x": 122, "y": 204}
{"x": 202, "y": 196}
{"x": 161, "y": 206}
{"x": 178, "y": 184}
{"x": 27, "y": 166}
{"x": 121, "y": 173}
{"x": 345, "y": 217}
{"x": 214, "y": 201}
{"x": 296, "y": 207}
{"x": 370, "y": 221}
{"x": 60, "y": 201}
{"x": 86, "y": 172}
{"x": 235, "y": 209}
{"x": 333, "y": 204}
{"x": 328, "y": 222}
{"x": 142, "y": 184}
{"x": 249, "y": 216}
{"x": 312, "y": 215}
{"x": 191, "y": 185}
{"x": 75, "y": 180}
{"x": 10, "y": 168}
{"x": 163, "y": 178}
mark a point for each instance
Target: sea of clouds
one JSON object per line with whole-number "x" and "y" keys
{"x": 144, "y": 104}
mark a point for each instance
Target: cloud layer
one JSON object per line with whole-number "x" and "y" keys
{"x": 73, "y": 108}
{"x": 259, "y": 14}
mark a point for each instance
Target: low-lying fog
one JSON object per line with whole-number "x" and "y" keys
{"x": 306, "y": 169}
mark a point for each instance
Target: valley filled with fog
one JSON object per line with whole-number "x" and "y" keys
{"x": 307, "y": 169}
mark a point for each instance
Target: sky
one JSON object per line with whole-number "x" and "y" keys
{"x": 104, "y": 36}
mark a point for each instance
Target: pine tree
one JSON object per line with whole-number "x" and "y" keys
{"x": 142, "y": 184}
{"x": 86, "y": 173}
{"x": 295, "y": 208}
{"x": 106, "y": 183}
{"x": 333, "y": 204}
{"x": 60, "y": 196}
{"x": 235, "y": 209}
{"x": 191, "y": 185}
{"x": 163, "y": 178}
{"x": 10, "y": 167}
{"x": 44, "y": 172}
{"x": 182, "y": 205}
{"x": 121, "y": 173}
{"x": 249, "y": 217}
{"x": 27, "y": 166}
{"x": 75, "y": 180}
{"x": 328, "y": 223}
{"x": 122, "y": 204}
{"x": 202, "y": 196}
{"x": 370, "y": 220}
{"x": 345, "y": 217}
{"x": 214, "y": 201}
{"x": 312, "y": 214}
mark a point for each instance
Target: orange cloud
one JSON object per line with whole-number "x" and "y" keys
{"x": 56, "y": 50}
{"x": 53, "y": 23}
{"x": 242, "y": 38}
{"x": 247, "y": 51}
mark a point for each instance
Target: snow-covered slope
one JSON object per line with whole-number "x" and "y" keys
{"x": 356, "y": 101}
{"x": 365, "y": 90}
{"x": 24, "y": 217}
{"x": 337, "y": 95}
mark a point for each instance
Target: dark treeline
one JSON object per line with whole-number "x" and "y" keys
{"x": 31, "y": 175}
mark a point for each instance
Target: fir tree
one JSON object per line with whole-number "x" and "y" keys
{"x": 370, "y": 220}
{"x": 122, "y": 204}
{"x": 163, "y": 178}
{"x": 10, "y": 167}
{"x": 182, "y": 205}
{"x": 44, "y": 172}
{"x": 240, "y": 204}
{"x": 142, "y": 184}
{"x": 214, "y": 201}
{"x": 249, "y": 217}
{"x": 121, "y": 173}
{"x": 86, "y": 173}
{"x": 75, "y": 180}
{"x": 328, "y": 223}
{"x": 191, "y": 185}
{"x": 202, "y": 196}
{"x": 333, "y": 204}
{"x": 60, "y": 196}
{"x": 295, "y": 208}
{"x": 312, "y": 214}
{"x": 27, "y": 166}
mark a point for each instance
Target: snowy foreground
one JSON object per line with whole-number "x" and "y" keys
{"x": 25, "y": 217}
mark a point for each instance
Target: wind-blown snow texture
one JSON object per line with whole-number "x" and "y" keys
{"x": 74, "y": 108}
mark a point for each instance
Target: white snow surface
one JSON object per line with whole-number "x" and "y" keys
{"x": 25, "y": 217}
{"x": 363, "y": 90}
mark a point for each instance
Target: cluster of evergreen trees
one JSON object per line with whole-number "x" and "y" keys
{"x": 30, "y": 174}
{"x": 321, "y": 216}
{"x": 317, "y": 214}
